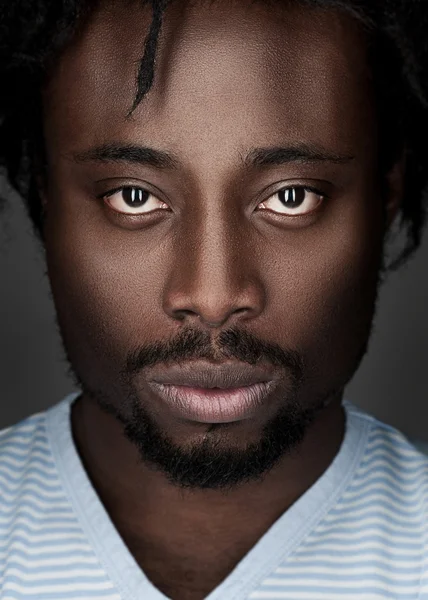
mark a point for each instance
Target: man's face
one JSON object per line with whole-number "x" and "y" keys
{"x": 210, "y": 258}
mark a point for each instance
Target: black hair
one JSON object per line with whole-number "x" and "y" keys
{"x": 33, "y": 33}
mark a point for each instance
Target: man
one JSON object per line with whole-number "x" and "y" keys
{"x": 214, "y": 184}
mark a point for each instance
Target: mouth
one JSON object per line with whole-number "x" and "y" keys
{"x": 214, "y": 405}
{"x": 210, "y": 393}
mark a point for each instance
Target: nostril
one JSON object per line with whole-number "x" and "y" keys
{"x": 184, "y": 313}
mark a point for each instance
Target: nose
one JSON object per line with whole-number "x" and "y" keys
{"x": 214, "y": 277}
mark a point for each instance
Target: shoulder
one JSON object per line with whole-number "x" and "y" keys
{"x": 387, "y": 437}
{"x": 392, "y": 468}
{"x": 24, "y": 441}
{"x": 28, "y": 472}
{"x": 44, "y": 549}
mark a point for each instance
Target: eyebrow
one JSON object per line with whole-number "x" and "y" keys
{"x": 130, "y": 153}
{"x": 256, "y": 157}
{"x": 296, "y": 153}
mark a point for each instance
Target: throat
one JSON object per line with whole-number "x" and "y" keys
{"x": 181, "y": 577}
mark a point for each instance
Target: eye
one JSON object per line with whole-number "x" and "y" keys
{"x": 131, "y": 200}
{"x": 294, "y": 201}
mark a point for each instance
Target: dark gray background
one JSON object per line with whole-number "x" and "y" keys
{"x": 391, "y": 382}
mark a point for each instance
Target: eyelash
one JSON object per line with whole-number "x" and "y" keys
{"x": 306, "y": 188}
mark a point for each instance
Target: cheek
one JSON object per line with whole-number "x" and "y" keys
{"x": 326, "y": 299}
{"x": 105, "y": 285}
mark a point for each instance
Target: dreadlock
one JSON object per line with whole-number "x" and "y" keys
{"x": 146, "y": 70}
{"x": 33, "y": 33}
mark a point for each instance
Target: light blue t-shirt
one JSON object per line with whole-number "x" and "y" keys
{"x": 360, "y": 531}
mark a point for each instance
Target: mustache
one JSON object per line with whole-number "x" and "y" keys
{"x": 192, "y": 343}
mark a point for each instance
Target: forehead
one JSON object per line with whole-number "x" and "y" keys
{"x": 239, "y": 67}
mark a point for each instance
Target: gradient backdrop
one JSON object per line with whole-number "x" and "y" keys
{"x": 391, "y": 383}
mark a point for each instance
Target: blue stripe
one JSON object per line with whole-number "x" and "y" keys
{"x": 53, "y": 555}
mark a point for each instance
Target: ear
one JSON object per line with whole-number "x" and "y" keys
{"x": 394, "y": 189}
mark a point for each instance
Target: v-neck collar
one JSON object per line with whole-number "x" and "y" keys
{"x": 280, "y": 540}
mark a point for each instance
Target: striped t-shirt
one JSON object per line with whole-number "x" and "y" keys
{"x": 360, "y": 531}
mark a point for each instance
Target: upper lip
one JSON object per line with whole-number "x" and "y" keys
{"x": 225, "y": 375}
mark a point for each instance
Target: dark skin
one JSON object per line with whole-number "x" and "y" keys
{"x": 227, "y": 80}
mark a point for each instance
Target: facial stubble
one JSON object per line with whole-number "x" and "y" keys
{"x": 211, "y": 463}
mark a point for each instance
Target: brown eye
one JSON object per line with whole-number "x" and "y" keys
{"x": 293, "y": 201}
{"x": 132, "y": 200}
{"x": 135, "y": 197}
{"x": 292, "y": 197}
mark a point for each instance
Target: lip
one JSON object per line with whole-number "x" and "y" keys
{"x": 225, "y": 375}
{"x": 208, "y": 405}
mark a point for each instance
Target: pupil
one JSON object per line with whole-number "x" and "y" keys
{"x": 292, "y": 197}
{"x": 134, "y": 196}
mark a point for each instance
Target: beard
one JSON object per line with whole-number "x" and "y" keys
{"x": 211, "y": 463}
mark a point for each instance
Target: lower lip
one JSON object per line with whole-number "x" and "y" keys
{"x": 214, "y": 405}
